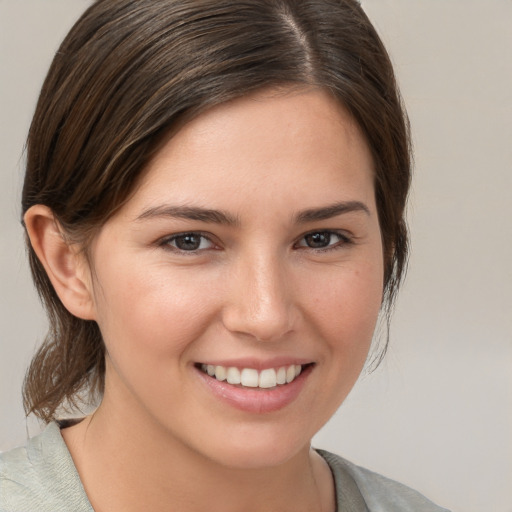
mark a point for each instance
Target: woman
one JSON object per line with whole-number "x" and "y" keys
{"x": 214, "y": 202}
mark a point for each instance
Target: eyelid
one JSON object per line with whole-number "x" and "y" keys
{"x": 165, "y": 242}
{"x": 345, "y": 239}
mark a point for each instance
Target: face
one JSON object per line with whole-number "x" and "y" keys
{"x": 251, "y": 251}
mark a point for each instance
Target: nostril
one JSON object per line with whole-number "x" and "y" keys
{"x": 259, "y": 304}
{"x": 262, "y": 326}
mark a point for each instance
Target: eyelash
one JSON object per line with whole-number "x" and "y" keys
{"x": 166, "y": 242}
{"x": 343, "y": 240}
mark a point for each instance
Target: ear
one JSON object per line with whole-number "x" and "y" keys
{"x": 65, "y": 265}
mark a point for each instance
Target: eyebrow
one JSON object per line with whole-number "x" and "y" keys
{"x": 330, "y": 211}
{"x": 190, "y": 213}
{"x": 221, "y": 217}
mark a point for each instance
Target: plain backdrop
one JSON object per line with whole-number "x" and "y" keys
{"x": 437, "y": 414}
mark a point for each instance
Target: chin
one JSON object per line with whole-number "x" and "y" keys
{"x": 259, "y": 448}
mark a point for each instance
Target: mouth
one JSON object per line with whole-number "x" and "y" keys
{"x": 256, "y": 390}
{"x": 269, "y": 378}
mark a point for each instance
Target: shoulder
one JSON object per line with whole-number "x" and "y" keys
{"x": 41, "y": 476}
{"x": 380, "y": 494}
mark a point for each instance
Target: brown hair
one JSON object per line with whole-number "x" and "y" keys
{"x": 130, "y": 71}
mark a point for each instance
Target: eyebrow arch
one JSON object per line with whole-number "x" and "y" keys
{"x": 189, "y": 213}
{"x": 333, "y": 210}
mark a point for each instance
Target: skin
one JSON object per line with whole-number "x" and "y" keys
{"x": 254, "y": 289}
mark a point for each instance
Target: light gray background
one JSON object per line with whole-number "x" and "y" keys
{"x": 437, "y": 414}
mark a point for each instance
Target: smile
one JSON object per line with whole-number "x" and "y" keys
{"x": 251, "y": 378}
{"x": 256, "y": 391}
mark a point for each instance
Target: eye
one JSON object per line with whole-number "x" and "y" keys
{"x": 323, "y": 240}
{"x": 188, "y": 242}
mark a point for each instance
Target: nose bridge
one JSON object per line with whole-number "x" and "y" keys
{"x": 260, "y": 304}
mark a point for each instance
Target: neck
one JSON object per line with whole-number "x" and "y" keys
{"x": 130, "y": 463}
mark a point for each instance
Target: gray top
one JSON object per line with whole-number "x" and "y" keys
{"x": 41, "y": 477}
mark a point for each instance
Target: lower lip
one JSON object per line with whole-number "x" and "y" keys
{"x": 257, "y": 400}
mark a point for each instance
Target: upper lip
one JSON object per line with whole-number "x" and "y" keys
{"x": 257, "y": 364}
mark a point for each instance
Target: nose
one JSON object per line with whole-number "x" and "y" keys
{"x": 260, "y": 300}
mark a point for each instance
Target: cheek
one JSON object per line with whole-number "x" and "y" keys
{"x": 346, "y": 308}
{"x": 153, "y": 312}
{"x": 343, "y": 313}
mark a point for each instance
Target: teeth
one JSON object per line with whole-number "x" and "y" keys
{"x": 220, "y": 373}
{"x": 233, "y": 376}
{"x": 251, "y": 378}
{"x": 268, "y": 378}
{"x": 281, "y": 375}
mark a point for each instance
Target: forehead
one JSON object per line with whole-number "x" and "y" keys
{"x": 274, "y": 141}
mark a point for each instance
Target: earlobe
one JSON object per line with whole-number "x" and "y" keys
{"x": 64, "y": 264}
